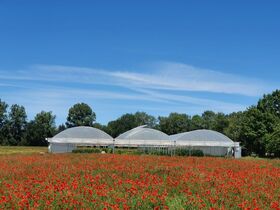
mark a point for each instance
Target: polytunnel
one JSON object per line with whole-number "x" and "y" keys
{"x": 142, "y": 136}
{"x": 209, "y": 141}
{"x": 70, "y": 138}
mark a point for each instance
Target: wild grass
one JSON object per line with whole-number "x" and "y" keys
{"x": 7, "y": 150}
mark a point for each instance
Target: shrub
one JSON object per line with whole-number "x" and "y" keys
{"x": 87, "y": 150}
{"x": 197, "y": 153}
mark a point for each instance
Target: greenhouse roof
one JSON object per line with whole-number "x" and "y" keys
{"x": 202, "y": 138}
{"x": 143, "y": 135}
{"x": 81, "y": 134}
{"x": 142, "y": 132}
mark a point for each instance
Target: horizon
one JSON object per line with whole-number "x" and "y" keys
{"x": 183, "y": 57}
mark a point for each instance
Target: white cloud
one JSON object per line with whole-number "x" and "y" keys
{"x": 165, "y": 86}
{"x": 163, "y": 76}
{"x": 176, "y": 76}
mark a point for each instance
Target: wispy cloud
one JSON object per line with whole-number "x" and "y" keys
{"x": 162, "y": 76}
{"x": 177, "y": 76}
{"x": 55, "y": 87}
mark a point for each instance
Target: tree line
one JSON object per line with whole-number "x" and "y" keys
{"x": 257, "y": 128}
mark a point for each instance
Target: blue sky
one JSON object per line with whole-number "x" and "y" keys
{"x": 127, "y": 56}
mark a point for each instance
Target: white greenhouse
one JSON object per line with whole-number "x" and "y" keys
{"x": 208, "y": 141}
{"x": 147, "y": 140}
{"x": 70, "y": 138}
{"x": 142, "y": 136}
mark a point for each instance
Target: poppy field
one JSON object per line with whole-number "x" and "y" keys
{"x": 96, "y": 181}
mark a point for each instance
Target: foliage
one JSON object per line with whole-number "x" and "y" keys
{"x": 255, "y": 125}
{"x": 270, "y": 103}
{"x": 99, "y": 126}
{"x": 273, "y": 143}
{"x": 233, "y": 130}
{"x": 3, "y": 119}
{"x": 175, "y": 123}
{"x": 196, "y": 122}
{"x": 42, "y": 127}
{"x": 3, "y": 113}
{"x": 60, "y": 128}
{"x": 189, "y": 152}
{"x": 142, "y": 118}
{"x": 129, "y": 121}
{"x": 80, "y": 115}
{"x": 86, "y": 150}
{"x": 92, "y": 150}
{"x": 15, "y": 126}
{"x": 208, "y": 119}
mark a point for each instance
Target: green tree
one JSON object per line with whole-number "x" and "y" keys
{"x": 42, "y": 127}
{"x": 3, "y": 112}
{"x": 16, "y": 124}
{"x": 60, "y": 128}
{"x": 196, "y": 122}
{"x": 255, "y": 125}
{"x": 270, "y": 103}
{"x": 80, "y": 115}
{"x": 208, "y": 118}
{"x": 129, "y": 121}
{"x": 3, "y": 119}
{"x": 273, "y": 142}
{"x": 221, "y": 122}
{"x": 100, "y": 126}
{"x": 121, "y": 125}
{"x": 142, "y": 118}
{"x": 175, "y": 123}
{"x": 233, "y": 130}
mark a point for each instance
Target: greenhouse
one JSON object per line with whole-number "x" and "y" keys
{"x": 70, "y": 138}
{"x": 208, "y": 141}
{"x": 141, "y": 136}
{"x": 147, "y": 140}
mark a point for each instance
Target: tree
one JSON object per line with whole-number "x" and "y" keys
{"x": 196, "y": 122}
{"x": 99, "y": 126}
{"x": 233, "y": 130}
{"x": 208, "y": 118}
{"x": 273, "y": 142}
{"x": 175, "y": 123}
{"x": 142, "y": 118}
{"x": 255, "y": 125}
{"x": 3, "y": 113}
{"x": 60, "y": 128}
{"x": 270, "y": 103}
{"x": 121, "y": 125}
{"x": 16, "y": 124}
{"x": 221, "y": 122}
{"x": 80, "y": 115}
{"x": 3, "y": 120}
{"x": 42, "y": 127}
{"x": 129, "y": 121}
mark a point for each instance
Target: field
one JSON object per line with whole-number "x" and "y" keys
{"x": 96, "y": 181}
{"x": 7, "y": 150}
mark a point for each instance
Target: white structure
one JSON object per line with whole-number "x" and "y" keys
{"x": 143, "y": 136}
{"x": 70, "y": 138}
{"x": 210, "y": 142}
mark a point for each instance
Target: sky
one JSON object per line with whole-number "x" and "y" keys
{"x": 127, "y": 56}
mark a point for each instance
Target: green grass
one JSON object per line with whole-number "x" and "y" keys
{"x": 6, "y": 150}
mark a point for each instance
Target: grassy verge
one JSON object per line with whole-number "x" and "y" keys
{"x": 6, "y": 150}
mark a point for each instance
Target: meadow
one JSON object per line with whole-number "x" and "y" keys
{"x": 108, "y": 181}
{"x": 8, "y": 150}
